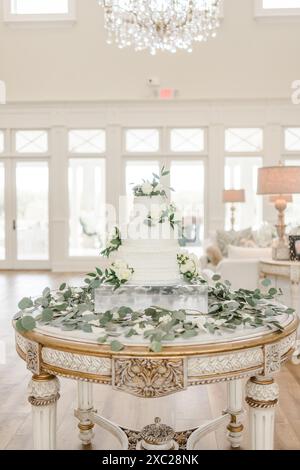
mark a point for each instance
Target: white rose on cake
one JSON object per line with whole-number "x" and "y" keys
{"x": 124, "y": 274}
{"x": 147, "y": 188}
{"x": 119, "y": 264}
{"x": 188, "y": 267}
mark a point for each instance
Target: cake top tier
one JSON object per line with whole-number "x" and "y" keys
{"x": 152, "y": 188}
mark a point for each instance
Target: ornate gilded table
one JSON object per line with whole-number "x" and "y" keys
{"x": 289, "y": 270}
{"x": 255, "y": 354}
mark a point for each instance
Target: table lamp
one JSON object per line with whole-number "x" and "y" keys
{"x": 233, "y": 196}
{"x": 279, "y": 181}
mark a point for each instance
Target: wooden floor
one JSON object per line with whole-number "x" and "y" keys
{"x": 183, "y": 410}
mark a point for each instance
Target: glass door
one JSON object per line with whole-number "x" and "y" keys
{"x": 24, "y": 214}
{"x": 32, "y": 211}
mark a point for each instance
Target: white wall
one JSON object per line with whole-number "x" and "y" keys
{"x": 248, "y": 59}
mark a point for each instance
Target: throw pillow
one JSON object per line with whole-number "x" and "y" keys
{"x": 232, "y": 238}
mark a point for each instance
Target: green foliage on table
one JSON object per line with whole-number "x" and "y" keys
{"x": 72, "y": 309}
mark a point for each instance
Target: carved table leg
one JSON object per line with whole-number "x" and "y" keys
{"x": 235, "y": 408}
{"x": 43, "y": 393}
{"x": 85, "y": 407}
{"x": 262, "y": 397}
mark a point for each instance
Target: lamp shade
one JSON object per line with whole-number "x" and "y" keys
{"x": 279, "y": 180}
{"x": 234, "y": 195}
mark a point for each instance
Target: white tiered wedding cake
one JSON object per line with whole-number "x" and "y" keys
{"x": 148, "y": 253}
{"x": 151, "y": 251}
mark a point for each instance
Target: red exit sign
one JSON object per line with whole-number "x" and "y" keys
{"x": 167, "y": 93}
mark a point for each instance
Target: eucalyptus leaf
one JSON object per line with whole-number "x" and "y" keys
{"x": 116, "y": 346}
{"x": 102, "y": 339}
{"x": 189, "y": 334}
{"x": 266, "y": 282}
{"x": 28, "y": 323}
{"x": 25, "y": 303}
{"x": 156, "y": 346}
{"x": 47, "y": 315}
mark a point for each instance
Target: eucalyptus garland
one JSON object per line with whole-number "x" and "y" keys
{"x": 114, "y": 243}
{"x": 72, "y": 309}
{"x": 152, "y": 188}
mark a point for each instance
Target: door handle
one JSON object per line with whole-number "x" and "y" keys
{"x": 14, "y": 225}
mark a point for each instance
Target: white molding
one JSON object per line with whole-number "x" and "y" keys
{"x": 40, "y": 20}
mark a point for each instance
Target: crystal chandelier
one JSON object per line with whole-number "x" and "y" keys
{"x": 165, "y": 25}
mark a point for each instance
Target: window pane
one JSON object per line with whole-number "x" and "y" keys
{"x": 272, "y": 4}
{"x": 87, "y": 206}
{"x": 187, "y": 140}
{"x": 243, "y": 140}
{"x": 241, "y": 173}
{"x": 32, "y": 181}
{"x": 142, "y": 140}
{"x": 292, "y": 212}
{"x": 2, "y": 213}
{"x": 31, "y": 141}
{"x": 187, "y": 180}
{"x": 87, "y": 141}
{"x": 39, "y": 7}
{"x": 292, "y": 138}
{"x": 1, "y": 141}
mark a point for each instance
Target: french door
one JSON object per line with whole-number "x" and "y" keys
{"x": 24, "y": 214}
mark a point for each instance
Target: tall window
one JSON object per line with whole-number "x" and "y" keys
{"x": 270, "y": 4}
{"x": 39, "y": 7}
{"x": 277, "y": 7}
{"x": 292, "y": 158}
{"x": 1, "y": 141}
{"x": 183, "y": 151}
{"x": 86, "y": 192}
{"x": 293, "y": 209}
{"x": 188, "y": 182}
{"x": 2, "y": 213}
{"x": 241, "y": 173}
{"x": 243, "y": 147}
{"x": 39, "y": 10}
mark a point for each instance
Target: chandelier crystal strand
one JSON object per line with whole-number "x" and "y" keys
{"x": 166, "y": 25}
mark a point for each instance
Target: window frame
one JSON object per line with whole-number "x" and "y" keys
{"x": 248, "y": 153}
{"x": 140, "y": 153}
{"x": 86, "y": 154}
{"x": 279, "y": 13}
{"x": 30, "y": 154}
{"x": 188, "y": 153}
{"x": 50, "y": 18}
{"x": 284, "y": 150}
